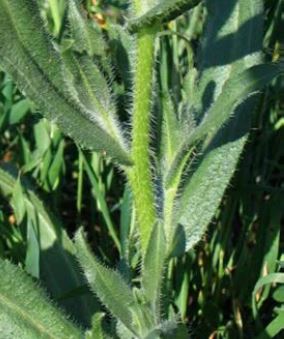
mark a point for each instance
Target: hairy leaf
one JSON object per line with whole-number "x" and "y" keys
{"x": 36, "y": 67}
{"x": 26, "y": 312}
{"x": 153, "y": 266}
{"x": 171, "y": 131}
{"x": 203, "y": 190}
{"x": 90, "y": 89}
{"x": 87, "y": 37}
{"x": 236, "y": 90}
{"x": 56, "y": 249}
{"x": 162, "y": 12}
{"x": 107, "y": 284}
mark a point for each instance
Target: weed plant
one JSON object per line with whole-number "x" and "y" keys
{"x": 159, "y": 98}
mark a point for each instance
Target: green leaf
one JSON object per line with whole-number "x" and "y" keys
{"x": 57, "y": 9}
{"x": 278, "y": 294}
{"x": 35, "y": 64}
{"x": 172, "y": 132}
{"x": 162, "y": 12}
{"x": 195, "y": 211}
{"x": 204, "y": 185}
{"x": 56, "y": 165}
{"x": 96, "y": 331}
{"x": 18, "y": 111}
{"x": 236, "y": 90}
{"x": 32, "y": 261}
{"x": 101, "y": 200}
{"x": 26, "y": 312}
{"x": 122, "y": 331}
{"x": 18, "y": 201}
{"x": 203, "y": 193}
{"x": 88, "y": 86}
{"x": 272, "y": 278}
{"x": 232, "y": 43}
{"x": 167, "y": 330}
{"x": 153, "y": 267}
{"x": 56, "y": 249}
{"x": 107, "y": 284}
{"x": 273, "y": 328}
{"x": 86, "y": 36}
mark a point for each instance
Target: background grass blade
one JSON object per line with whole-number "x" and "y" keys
{"x": 273, "y": 278}
{"x": 101, "y": 201}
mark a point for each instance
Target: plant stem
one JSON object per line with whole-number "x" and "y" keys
{"x": 140, "y": 173}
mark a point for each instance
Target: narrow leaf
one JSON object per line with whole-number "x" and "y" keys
{"x": 153, "y": 266}
{"x": 236, "y": 90}
{"x": 273, "y": 278}
{"x": 96, "y": 331}
{"x": 101, "y": 201}
{"x": 273, "y": 328}
{"x": 204, "y": 191}
{"x": 18, "y": 201}
{"x": 26, "y": 312}
{"x": 32, "y": 261}
{"x": 164, "y": 11}
{"x": 90, "y": 89}
{"x": 86, "y": 36}
{"x": 238, "y": 29}
{"x": 107, "y": 284}
{"x": 35, "y": 64}
{"x": 56, "y": 249}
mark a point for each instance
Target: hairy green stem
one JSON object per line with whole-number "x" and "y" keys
{"x": 140, "y": 173}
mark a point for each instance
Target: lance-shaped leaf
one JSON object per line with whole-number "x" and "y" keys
{"x": 87, "y": 37}
{"x": 236, "y": 90}
{"x": 153, "y": 267}
{"x": 204, "y": 188}
{"x": 57, "y": 251}
{"x": 203, "y": 194}
{"x": 90, "y": 89}
{"x": 236, "y": 32}
{"x": 162, "y": 12}
{"x": 25, "y": 311}
{"x": 172, "y": 132}
{"x": 107, "y": 284}
{"x": 36, "y": 66}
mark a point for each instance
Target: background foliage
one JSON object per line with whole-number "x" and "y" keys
{"x": 214, "y": 285}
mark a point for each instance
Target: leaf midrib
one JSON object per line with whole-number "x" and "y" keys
{"x": 99, "y": 104}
